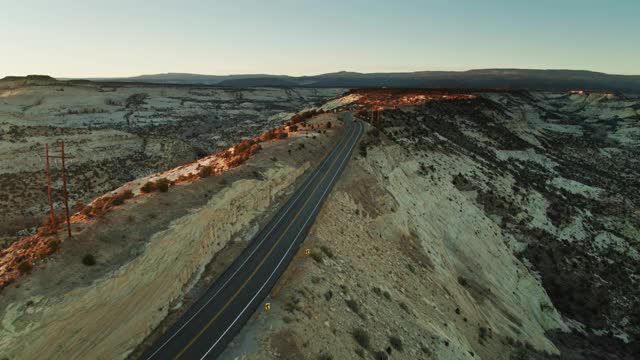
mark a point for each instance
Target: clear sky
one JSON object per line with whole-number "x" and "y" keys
{"x": 89, "y": 38}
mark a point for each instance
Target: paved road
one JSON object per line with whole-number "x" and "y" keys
{"x": 206, "y": 328}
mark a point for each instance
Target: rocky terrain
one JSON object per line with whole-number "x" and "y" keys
{"x": 494, "y": 225}
{"x": 128, "y": 272}
{"x": 506, "y": 226}
{"x": 115, "y": 133}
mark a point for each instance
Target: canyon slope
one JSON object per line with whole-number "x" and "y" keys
{"x": 501, "y": 227}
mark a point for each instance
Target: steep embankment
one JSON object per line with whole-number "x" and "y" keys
{"x": 406, "y": 265}
{"x": 504, "y": 226}
{"x": 117, "y": 306}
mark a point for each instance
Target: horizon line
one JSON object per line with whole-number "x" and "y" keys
{"x": 318, "y": 74}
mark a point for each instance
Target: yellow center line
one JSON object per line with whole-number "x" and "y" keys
{"x": 193, "y": 340}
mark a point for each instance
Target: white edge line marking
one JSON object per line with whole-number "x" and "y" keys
{"x": 310, "y": 180}
{"x": 286, "y": 253}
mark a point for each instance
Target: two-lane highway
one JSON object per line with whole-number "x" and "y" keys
{"x": 206, "y": 328}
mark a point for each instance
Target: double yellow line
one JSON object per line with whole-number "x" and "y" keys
{"x": 217, "y": 315}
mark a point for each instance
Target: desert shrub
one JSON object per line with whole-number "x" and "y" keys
{"x": 87, "y": 210}
{"x": 255, "y": 148}
{"x": 405, "y": 307}
{"x": 327, "y": 251}
{"x": 293, "y": 128}
{"x": 283, "y": 135}
{"x": 113, "y": 102}
{"x": 163, "y": 185}
{"x": 127, "y": 194}
{"x": 89, "y": 260}
{"x": 243, "y": 146}
{"x": 396, "y": 342}
{"x": 300, "y": 117}
{"x": 325, "y": 356}
{"x": 329, "y": 125}
{"x": 317, "y": 256}
{"x": 53, "y": 245}
{"x": 292, "y": 304}
{"x": 135, "y": 100}
{"x": 380, "y": 355}
{"x": 148, "y": 187}
{"x": 119, "y": 198}
{"x": 560, "y": 213}
{"x": 205, "y": 172}
{"x": 353, "y": 305}
{"x": 363, "y": 149}
{"x": 484, "y": 334}
{"x": 361, "y": 337}
{"x": 24, "y": 266}
{"x": 374, "y": 132}
{"x": 411, "y": 268}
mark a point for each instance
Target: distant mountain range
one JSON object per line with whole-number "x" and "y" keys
{"x": 485, "y": 78}
{"x": 475, "y": 79}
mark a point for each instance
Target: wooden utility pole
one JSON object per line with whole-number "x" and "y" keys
{"x": 65, "y": 193}
{"x": 64, "y": 187}
{"x": 51, "y": 212}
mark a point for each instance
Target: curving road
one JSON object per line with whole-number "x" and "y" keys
{"x": 206, "y": 328}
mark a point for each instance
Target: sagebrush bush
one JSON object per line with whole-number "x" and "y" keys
{"x": 148, "y": 187}
{"x": 327, "y": 251}
{"x": 89, "y": 260}
{"x": 163, "y": 185}
{"x": 380, "y": 355}
{"x": 361, "y": 337}
{"x": 205, "y": 172}
{"x": 396, "y": 342}
{"x": 24, "y": 266}
{"x": 317, "y": 256}
{"x": 53, "y": 245}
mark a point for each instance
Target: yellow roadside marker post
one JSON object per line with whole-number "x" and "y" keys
{"x": 267, "y": 306}
{"x": 307, "y": 251}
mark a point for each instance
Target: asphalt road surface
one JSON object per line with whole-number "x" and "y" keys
{"x": 210, "y": 324}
